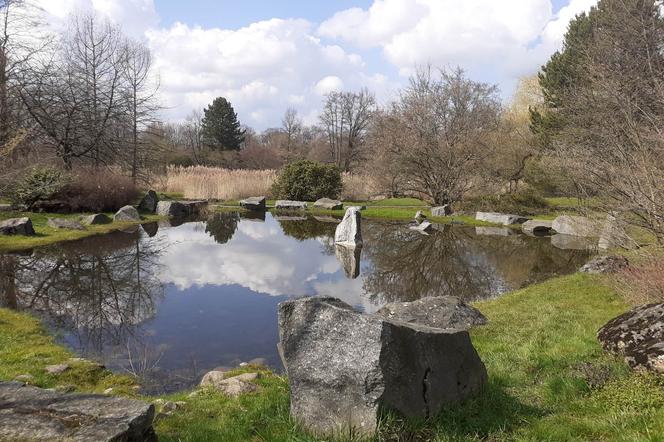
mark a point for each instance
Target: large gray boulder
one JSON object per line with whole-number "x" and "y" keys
{"x": 349, "y": 258}
{"x": 290, "y": 205}
{"x": 537, "y": 227}
{"x": 253, "y": 203}
{"x": 328, "y": 204}
{"x": 445, "y": 210}
{"x": 343, "y": 365}
{"x": 436, "y": 312}
{"x": 576, "y": 226}
{"x": 172, "y": 209}
{"x": 149, "y": 202}
{"x": 98, "y": 218}
{"x": 349, "y": 230}
{"x": 637, "y": 336}
{"x": 17, "y": 226}
{"x": 34, "y": 414}
{"x": 500, "y": 218}
{"x": 127, "y": 213}
{"x": 64, "y": 223}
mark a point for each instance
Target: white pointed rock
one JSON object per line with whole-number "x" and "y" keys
{"x": 349, "y": 231}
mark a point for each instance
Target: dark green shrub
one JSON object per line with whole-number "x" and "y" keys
{"x": 308, "y": 181}
{"x": 38, "y": 184}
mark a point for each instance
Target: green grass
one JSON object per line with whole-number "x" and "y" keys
{"x": 46, "y": 235}
{"x": 548, "y": 380}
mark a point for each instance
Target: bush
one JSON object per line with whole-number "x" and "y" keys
{"x": 306, "y": 180}
{"x": 523, "y": 202}
{"x": 98, "y": 191}
{"x": 38, "y": 184}
{"x": 643, "y": 283}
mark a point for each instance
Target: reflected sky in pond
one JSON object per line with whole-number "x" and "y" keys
{"x": 171, "y": 301}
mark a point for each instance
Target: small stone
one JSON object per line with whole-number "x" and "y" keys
{"x": 169, "y": 407}
{"x": 290, "y": 205}
{"x": 127, "y": 213}
{"x": 27, "y": 378}
{"x": 98, "y": 218}
{"x": 328, "y": 204}
{"x": 57, "y": 369}
{"x": 64, "y": 223}
{"x": 419, "y": 216}
{"x": 108, "y": 390}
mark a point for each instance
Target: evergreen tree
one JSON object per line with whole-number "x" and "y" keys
{"x": 220, "y": 127}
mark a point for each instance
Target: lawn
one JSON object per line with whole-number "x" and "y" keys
{"x": 548, "y": 380}
{"x": 46, "y": 235}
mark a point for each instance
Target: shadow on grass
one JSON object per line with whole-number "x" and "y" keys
{"x": 492, "y": 413}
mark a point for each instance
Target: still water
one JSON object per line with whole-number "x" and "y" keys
{"x": 170, "y": 302}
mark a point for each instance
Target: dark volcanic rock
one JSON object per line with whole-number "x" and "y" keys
{"x": 17, "y": 226}
{"x": 436, "y": 312}
{"x": 605, "y": 264}
{"x": 149, "y": 202}
{"x": 343, "y": 365}
{"x": 30, "y": 413}
{"x": 63, "y": 223}
{"x": 638, "y": 336}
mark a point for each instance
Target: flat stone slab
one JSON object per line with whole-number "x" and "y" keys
{"x": 637, "y": 336}
{"x": 500, "y": 218}
{"x": 35, "y": 414}
{"x": 328, "y": 204}
{"x": 537, "y": 227}
{"x": 17, "y": 226}
{"x": 64, "y": 223}
{"x": 253, "y": 203}
{"x": 445, "y": 312}
{"x": 290, "y": 205}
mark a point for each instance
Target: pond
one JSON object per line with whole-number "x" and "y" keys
{"x": 169, "y": 302}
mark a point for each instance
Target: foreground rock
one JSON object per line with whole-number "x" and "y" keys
{"x": 445, "y": 210}
{"x": 605, "y": 264}
{"x": 290, "y": 205}
{"x": 95, "y": 219}
{"x": 343, "y": 365}
{"x": 17, "y": 226}
{"x": 63, "y": 223}
{"x": 576, "y": 226}
{"x": 232, "y": 386}
{"x": 500, "y": 218}
{"x": 254, "y": 203}
{"x": 436, "y": 312}
{"x": 180, "y": 209}
{"x": 30, "y": 413}
{"x": 149, "y": 202}
{"x": 349, "y": 231}
{"x": 638, "y": 336}
{"x": 537, "y": 227}
{"x": 127, "y": 213}
{"x": 328, "y": 204}
{"x": 349, "y": 258}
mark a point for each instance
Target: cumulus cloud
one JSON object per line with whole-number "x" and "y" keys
{"x": 495, "y": 40}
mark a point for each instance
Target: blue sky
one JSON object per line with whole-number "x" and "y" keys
{"x": 266, "y": 56}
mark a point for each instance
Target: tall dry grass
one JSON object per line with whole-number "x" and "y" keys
{"x": 201, "y": 182}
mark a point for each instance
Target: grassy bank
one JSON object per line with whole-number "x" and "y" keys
{"x": 549, "y": 379}
{"x": 46, "y": 235}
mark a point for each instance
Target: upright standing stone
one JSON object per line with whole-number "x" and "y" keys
{"x": 149, "y": 202}
{"x": 343, "y": 365}
{"x": 349, "y": 231}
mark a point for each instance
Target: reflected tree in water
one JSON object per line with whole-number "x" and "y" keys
{"x": 99, "y": 289}
{"x": 307, "y": 229}
{"x": 222, "y": 226}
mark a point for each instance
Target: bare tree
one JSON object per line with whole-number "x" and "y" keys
{"x": 436, "y": 134}
{"x": 345, "y": 118}
{"x": 291, "y": 125}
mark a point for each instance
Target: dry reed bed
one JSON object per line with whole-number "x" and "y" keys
{"x": 226, "y": 184}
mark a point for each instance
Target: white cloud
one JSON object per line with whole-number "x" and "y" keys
{"x": 331, "y": 83}
{"x": 494, "y": 40}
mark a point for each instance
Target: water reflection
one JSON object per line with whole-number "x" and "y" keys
{"x": 171, "y": 302}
